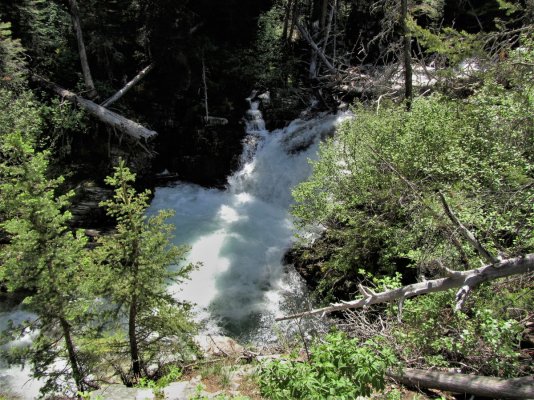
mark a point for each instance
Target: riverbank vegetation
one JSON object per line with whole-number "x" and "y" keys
{"x": 433, "y": 176}
{"x": 384, "y": 189}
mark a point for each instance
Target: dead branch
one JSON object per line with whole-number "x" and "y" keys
{"x": 128, "y": 86}
{"x": 122, "y": 124}
{"x": 316, "y": 48}
{"x": 466, "y": 233}
{"x": 75, "y": 14}
{"x": 466, "y": 280}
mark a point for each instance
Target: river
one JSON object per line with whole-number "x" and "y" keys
{"x": 238, "y": 234}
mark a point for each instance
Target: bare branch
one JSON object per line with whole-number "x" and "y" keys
{"x": 106, "y": 116}
{"x": 316, "y": 48}
{"x": 471, "y": 278}
{"x": 128, "y": 86}
{"x": 466, "y": 233}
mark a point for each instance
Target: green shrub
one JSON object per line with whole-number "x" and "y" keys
{"x": 339, "y": 368}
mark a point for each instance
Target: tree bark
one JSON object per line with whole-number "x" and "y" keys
{"x": 285, "y": 29}
{"x": 407, "y": 55}
{"x": 134, "y": 350}
{"x": 128, "y": 86}
{"x": 462, "y": 279}
{"x": 89, "y": 84}
{"x": 294, "y": 19}
{"x": 516, "y": 388}
{"x": 106, "y": 116}
{"x": 73, "y": 360}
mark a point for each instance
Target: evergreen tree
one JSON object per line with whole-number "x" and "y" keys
{"x": 42, "y": 255}
{"x": 133, "y": 274}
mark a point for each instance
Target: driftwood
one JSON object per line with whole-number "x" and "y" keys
{"x": 516, "y": 388}
{"x": 128, "y": 86}
{"x": 106, "y": 116}
{"x": 455, "y": 279}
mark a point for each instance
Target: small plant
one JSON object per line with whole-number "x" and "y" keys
{"x": 339, "y": 368}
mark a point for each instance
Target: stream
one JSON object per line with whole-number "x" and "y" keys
{"x": 239, "y": 235}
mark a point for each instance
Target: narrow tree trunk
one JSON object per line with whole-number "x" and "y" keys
{"x": 73, "y": 360}
{"x": 328, "y": 29}
{"x": 516, "y": 388}
{"x": 89, "y": 84}
{"x": 324, "y": 13}
{"x": 294, "y": 18}
{"x": 286, "y": 21}
{"x": 106, "y": 116}
{"x": 128, "y": 86}
{"x": 134, "y": 351}
{"x": 205, "y": 89}
{"x": 407, "y": 55}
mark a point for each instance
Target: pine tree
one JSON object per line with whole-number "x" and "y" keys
{"x": 133, "y": 275}
{"x": 42, "y": 256}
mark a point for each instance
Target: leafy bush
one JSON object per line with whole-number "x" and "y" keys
{"x": 375, "y": 190}
{"x": 339, "y": 368}
{"x": 374, "y": 185}
{"x": 483, "y": 342}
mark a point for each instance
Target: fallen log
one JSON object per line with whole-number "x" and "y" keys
{"x": 455, "y": 279}
{"x": 516, "y": 388}
{"x": 106, "y": 116}
{"x": 128, "y": 86}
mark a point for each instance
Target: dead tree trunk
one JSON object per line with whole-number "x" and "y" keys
{"x": 128, "y": 86}
{"x": 462, "y": 279}
{"x": 89, "y": 84}
{"x": 516, "y": 388}
{"x": 106, "y": 116}
{"x": 305, "y": 34}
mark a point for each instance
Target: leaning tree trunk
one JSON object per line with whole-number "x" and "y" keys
{"x": 106, "y": 116}
{"x": 407, "y": 55}
{"x": 73, "y": 360}
{"x": 89, "y": 84}
{"x": 516, "y": 388}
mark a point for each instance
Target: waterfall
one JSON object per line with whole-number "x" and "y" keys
{"x": 240, "y": 234}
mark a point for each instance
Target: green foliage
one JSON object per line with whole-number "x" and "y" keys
{"x": 12, "y": 62}
{"x": 454, "y": 45}
{"x": 133, "y": 270}
{"x": 374, "y": 189}
{"x": 339, "y": 368}
{"x": 485, "y": 342}
{"x": 272, "y": 63}
{"x": 172, "y": 374}
{"x": 374, "y": 186}
{"x": 43, "y": 255}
